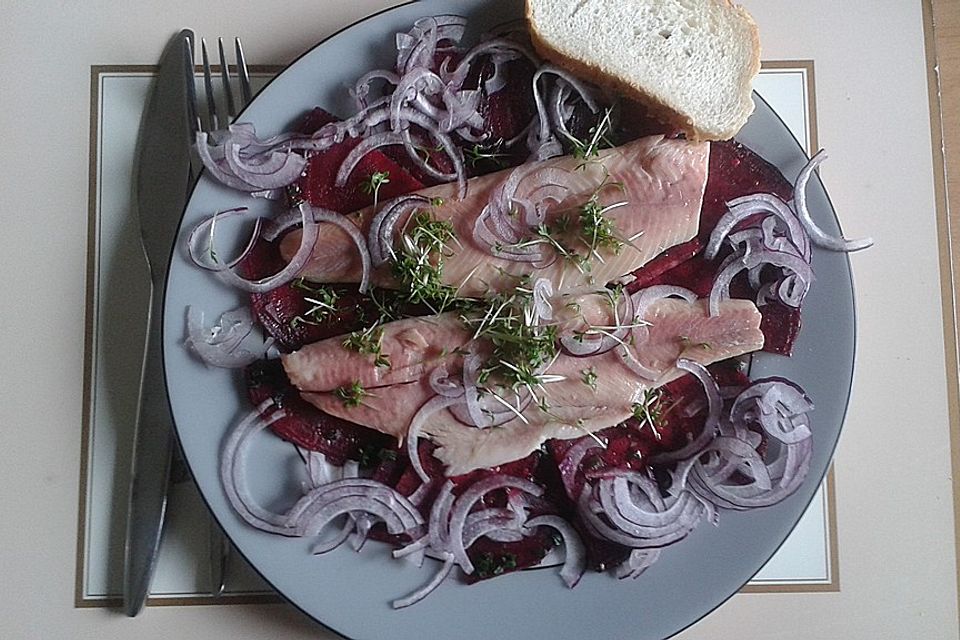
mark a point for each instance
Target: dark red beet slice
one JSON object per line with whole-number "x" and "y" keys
{"x": 601, "y": 554}
{"x": 317, "y": 185}
{"x": 491, "y": 559}
{"x": 508, "y": 111}
{"x": 780, "y": 325}
{"x": 315, "y": 119}
{"x": 304, "y": 424}
{"x": 737, "y": 171}
{"x": 318, "y": 188}
{"x": 282, "y": 310}
{"x": 670, "y": 259}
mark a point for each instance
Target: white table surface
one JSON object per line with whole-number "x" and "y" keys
{"x": 894, "y": 499}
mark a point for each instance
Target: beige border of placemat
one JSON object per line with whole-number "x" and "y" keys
{"x": 941, "y": 27}
{"x": 96, "y": 71}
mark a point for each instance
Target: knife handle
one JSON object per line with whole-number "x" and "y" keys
{"x": 150, "y": 466}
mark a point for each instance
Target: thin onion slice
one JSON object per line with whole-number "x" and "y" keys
{"x": 466, "y": 502}
{"x": 818, "y": 235}
{"x": 233, "y": 476}
{"x": 712, "y": 422}
{"x": 221, "y": 345}
{"x": 575, "y": 560}
{"x": 428, "y": 588}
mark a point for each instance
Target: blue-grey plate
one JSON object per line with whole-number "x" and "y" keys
{"x": 350, "y": 592}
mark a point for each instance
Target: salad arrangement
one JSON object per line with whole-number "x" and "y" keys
{"x": 506, "y": 314}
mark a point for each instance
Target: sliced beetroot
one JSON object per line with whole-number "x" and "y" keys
{"x": 523, "y": 468}
{"x": 314, "y": 119}
{"x": 491, "y": 559}
{"x": 510, "y": 110}
{"x": 601, "y": 554}
{"x": 780, "y": 325}
{"x": 672, "y": 258}
{"x": 737, "y": 171}
{"x": 283, "y": 311}
{"x": 305, "y": 425}
{"x": 318, "y": 187}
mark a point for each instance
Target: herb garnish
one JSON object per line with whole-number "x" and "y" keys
{"x": 589, "y": 378}
{"x": 352, "y": 395}
{"x": 648, "y": 411}
{"x": 492, "y": 153}
{"x": 588, "y": 149}
{"x": 368, "y": 342}
{"x": 372, "y": 455}
{"x": 488, "y": 564}
{"x": 419, "y": 262}
{"x": 522, "y": 348}
{"x": 323, "y": 301}
{"x": 372, "y": 184}
{"x": 596, "y": 229}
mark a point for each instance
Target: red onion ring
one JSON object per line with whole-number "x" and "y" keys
{"x": 380, "y": 236}
{"x": 430, "y": 407}
{"x": 582, "y": 345}
{"x": 639, "y": 561}
{"x": 778, "y": 406}
{"x": 205, "y": 230}
{"x": 233, "y": 477}
{"x": 686, "y": 520}
{"x": 466, "y": 501}
{"x": 712, "y": 422}
{"x": 371, "y": 143}
{"x": 428, "y": 588}
{"x": 575, "y": 560}
{"x": 570, "y": 464}
{"x": 220, "y": 346}
{"x": 742, "y": 208}
{"x": 818, "y": 235}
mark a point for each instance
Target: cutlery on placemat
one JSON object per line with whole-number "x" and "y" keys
{"x": 219, "y": 546}
{"x": 161, "y": 180}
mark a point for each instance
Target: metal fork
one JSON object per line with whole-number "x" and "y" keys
{"x": 219, "y": 546}
{"x": 243, "y": 79}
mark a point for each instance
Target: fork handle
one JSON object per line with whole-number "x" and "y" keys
{"x": 150, "y": 466}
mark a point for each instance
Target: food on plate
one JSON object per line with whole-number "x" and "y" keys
{"x": 566, "y": 408}
{"x": 692, "y": 62}
{"x": 507, "y": 315}
{"x": 663, "y": 177}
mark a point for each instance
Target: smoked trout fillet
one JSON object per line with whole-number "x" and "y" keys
{"x": 660, "y": 182}
{"x": 677, "y": 329}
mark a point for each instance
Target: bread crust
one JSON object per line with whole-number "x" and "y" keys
{"x": 657, "y": 107}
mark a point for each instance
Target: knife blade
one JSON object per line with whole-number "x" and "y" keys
{"x": 162, "y": 176}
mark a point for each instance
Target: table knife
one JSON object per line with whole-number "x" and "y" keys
{"x": 162, "y": 176}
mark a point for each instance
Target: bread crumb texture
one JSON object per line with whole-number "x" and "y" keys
{"x": 691, "y": 62}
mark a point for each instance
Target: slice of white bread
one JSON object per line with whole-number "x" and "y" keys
{"x": 690, "y": 62}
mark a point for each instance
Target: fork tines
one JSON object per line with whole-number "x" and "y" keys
{"x": 215, "y": 118}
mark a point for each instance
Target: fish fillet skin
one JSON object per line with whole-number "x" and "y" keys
{"x": 663, "y": 184}
{"x": 413, "y": 347}
{"x": 678, "y": 329}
